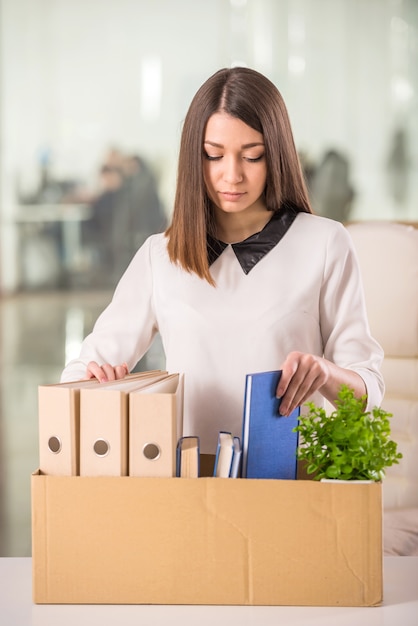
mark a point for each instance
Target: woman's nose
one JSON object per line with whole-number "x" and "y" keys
{"x": 232, "y": 171}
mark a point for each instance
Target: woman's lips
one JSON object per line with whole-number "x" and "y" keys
{"x": 231, "y": 196}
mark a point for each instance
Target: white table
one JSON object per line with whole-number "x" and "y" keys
{"x": 400, "y": 607}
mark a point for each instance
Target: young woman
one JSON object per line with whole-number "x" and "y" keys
{"x": 245, "y": 278}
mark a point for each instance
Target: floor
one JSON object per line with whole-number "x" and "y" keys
{"x": 39, "y": 332}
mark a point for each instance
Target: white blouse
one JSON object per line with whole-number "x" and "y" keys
{"x": 305, "y": 294}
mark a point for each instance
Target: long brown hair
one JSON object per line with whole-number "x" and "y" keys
{"x": 251, "y": 97}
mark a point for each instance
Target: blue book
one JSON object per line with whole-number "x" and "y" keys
{"x": 188, "y": 457}
{"x": 269, "y": 444}
{"x": 228, "y": 456}
{"x": 224, "y": 455}
{"x": 236, "y": 459}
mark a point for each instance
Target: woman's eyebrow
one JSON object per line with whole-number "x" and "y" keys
{"x": 244, "y": 147}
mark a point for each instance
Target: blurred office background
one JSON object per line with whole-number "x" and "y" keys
{"x": 93, "y": 94}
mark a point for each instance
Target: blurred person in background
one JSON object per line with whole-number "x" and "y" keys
{"x": 398, "y": 168}
{"x": 331, "y": 191}
{"x": 125, "y": 211}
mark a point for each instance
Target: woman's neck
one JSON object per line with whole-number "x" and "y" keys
{"x": 234, "y": 227}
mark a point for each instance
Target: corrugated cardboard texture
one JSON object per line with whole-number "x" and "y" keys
{"x": 129, "y": 540}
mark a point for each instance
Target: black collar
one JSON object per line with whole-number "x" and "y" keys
{"x": 250, "y": 251}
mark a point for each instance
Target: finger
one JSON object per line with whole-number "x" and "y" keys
{"x": 288, "y": 368}
{"x": 300, "y": 386}
{"x": 121, "y": 371}
{"x": 294, "y": 383}
{"x": 312, "y": 381}
{"x": 95, "y": 371}
{"x": 109, "y": 371}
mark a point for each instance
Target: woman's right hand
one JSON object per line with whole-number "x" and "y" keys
{"x": 106, "y": 372}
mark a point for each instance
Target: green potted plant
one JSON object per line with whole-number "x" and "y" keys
{"x": 349, "y": 444}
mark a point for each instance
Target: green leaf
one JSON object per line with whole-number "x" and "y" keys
{"x": 349, "y": 443}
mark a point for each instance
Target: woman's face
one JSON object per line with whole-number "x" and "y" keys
{"x": 234, "y": 165}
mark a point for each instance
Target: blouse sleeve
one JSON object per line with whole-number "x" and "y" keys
{"x": 125, "y": 329}
{"x": 344, "y": 324}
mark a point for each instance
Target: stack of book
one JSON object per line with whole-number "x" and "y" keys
{"x": 134, "y": 427}
{"x": 120, "y": 428}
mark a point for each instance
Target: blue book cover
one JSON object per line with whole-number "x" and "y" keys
{"x": 269, "y": 444}
{"x": 236, "y": 459}
{"x": 224, "y": 455}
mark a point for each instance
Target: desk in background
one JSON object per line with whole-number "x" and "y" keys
{"x": 400, "y": 607}
{"x": 69, "y": 216}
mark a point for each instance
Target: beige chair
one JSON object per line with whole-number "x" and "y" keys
{"x": 388, "y": 256}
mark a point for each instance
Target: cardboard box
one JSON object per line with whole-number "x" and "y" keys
{"x": 130, "y": 540}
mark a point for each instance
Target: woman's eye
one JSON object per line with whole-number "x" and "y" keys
{"x": 254, "y": 159}
{"x": 218, "y": 157}
{"x": 210, "y": 157}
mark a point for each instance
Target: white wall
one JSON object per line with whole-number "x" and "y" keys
{"x": 72, "y": 72}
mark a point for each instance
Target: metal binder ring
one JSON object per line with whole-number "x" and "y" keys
{"x": 101, "y": 447}
{"x": 54, "y": 445}
{"x": 151, "y": 451}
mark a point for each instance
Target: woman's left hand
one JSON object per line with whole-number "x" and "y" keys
{"x": 302, "y": 375}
